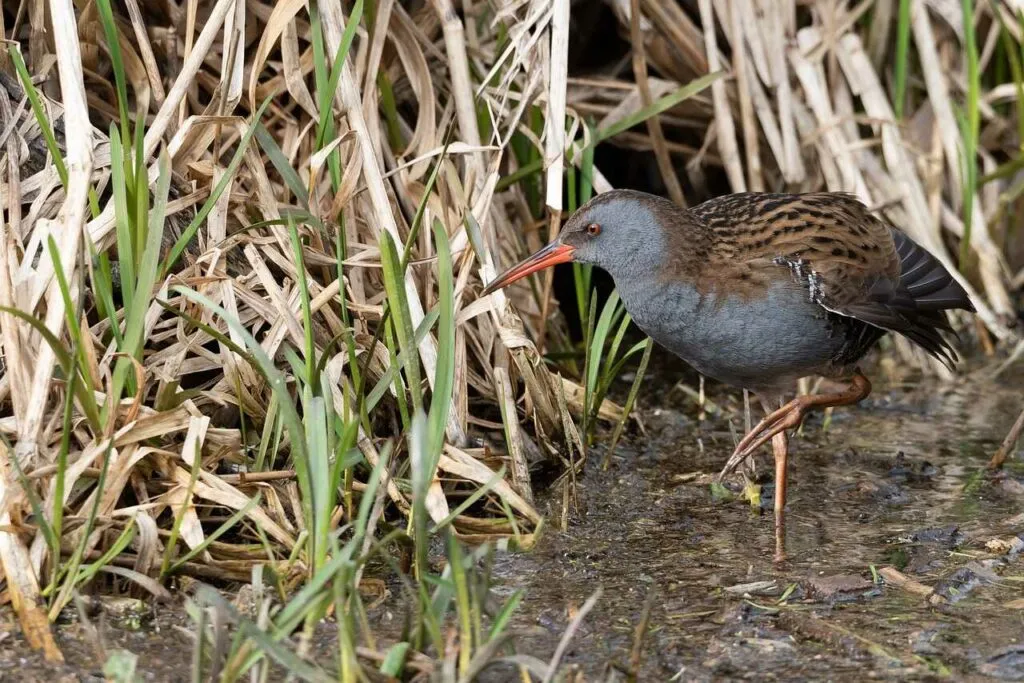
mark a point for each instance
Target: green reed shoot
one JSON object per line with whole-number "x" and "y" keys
{"x": 970, "y": 126}
{"x": 899, "y": 96}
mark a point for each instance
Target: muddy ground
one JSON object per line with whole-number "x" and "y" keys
{"x": 895, "y": 483}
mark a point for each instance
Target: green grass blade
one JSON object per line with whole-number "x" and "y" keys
{"x": 588, "y": 359}
{"x": 50, "y": 533}
{"x": 327, "y": 93}
{"x": 34, "y": 100}
{"x": 398, "y": 304}
{"x": 122, "y": 218}
{"x": 587, "y": 170}
{"x": 316, "y": 419}
{"x": 71, "y": 317}
{"x": 280, "y": 162}
{"x": 103, "y": 287}
{"x": 444, "y": 379}
{"x": 504, "y": 616}
{"x": 394, "y": 660}
{"x": 186, "y": 502}
{"x": 612, "y": 358}
{"x": 899, "y": 96}
{"x": 135, "y": 317}
{"x": 311, "y": 596}
{"x": 631, "y": 399}
{"x": 307, "y": 314}
{"x": 971, "y": 126}
{"x": 659, "y": 106}
{"x": 268, "y": 645}
{"x": 583, "y": 272}
{"x": 57, "y": 512}
{"x": 596, "y": 349}
{"x": 617, "y": 368}
{"x": 226, "y": 526}
{"x": 278, "y": 386}
{"x": 74, "y": 563}
{"x": 417, "y": 219}
{"x": 139, "y": 178}
{"x": 385, "y": 381}
{"x": 188, "y": 233}
{"x": 64, "y": 359}
{"x": 463, "y": 606}
{"x": 116, "y": 61}
{"x": 89, "y": 571}
{"x": 471, "y": 500}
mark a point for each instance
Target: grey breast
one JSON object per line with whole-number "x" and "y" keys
{"x": 756, "y": 343}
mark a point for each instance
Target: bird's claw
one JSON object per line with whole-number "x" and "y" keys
{"x": 786, "y": 417}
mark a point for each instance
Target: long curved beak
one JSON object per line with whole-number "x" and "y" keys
{"x": 547, "y": 256}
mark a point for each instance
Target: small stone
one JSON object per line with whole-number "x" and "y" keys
{"x": 964, "y": 580}
{"x": 126, "y": 613}
{"x": 998, "y": 545}
{"x": 1006, "y": 664}
{"x": 948, "y": 536}
{"x": 923, "y": 642}
{"x": 829, "y": 587}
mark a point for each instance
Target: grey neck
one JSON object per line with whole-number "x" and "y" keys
{"x": 658, "y": 307}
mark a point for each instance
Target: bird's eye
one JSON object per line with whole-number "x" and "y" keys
{"x": 593, "y": 229}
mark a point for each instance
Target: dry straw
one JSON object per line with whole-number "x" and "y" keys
{"x": 437, "y": 109}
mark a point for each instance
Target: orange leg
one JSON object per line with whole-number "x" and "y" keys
{"x": 790, "y": 416}
{"x": 780, "y": 449}
{"x": 773, "y": 428}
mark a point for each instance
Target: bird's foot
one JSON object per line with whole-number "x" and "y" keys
{"x": 791, "y": 415}
{"x": 786, "y": 417}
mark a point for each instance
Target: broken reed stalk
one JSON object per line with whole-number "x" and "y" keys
{"x": 1000, "y": 456}
{"x": 643, "y": 84}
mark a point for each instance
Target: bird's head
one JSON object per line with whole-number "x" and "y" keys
{"x": 619, "y": 231}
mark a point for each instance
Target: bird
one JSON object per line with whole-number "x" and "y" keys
{"x": 757, "y": 290}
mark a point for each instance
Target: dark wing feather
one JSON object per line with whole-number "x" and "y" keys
{"x": 913, "y": 305}
{"x": 926, "y": 280}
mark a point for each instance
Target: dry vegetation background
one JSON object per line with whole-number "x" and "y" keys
{"x": 447, "y": 121}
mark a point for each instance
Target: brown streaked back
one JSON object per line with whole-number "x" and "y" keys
{"x": 833, "y": 234}
{"x": 850, "y": 262}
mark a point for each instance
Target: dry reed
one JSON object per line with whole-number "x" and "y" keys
{"x": 805, "y": 105}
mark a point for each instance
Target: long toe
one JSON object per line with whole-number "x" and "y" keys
{"x": 738, "y": 455}
{"x": 788, "y": 417}
{"x": 791, "y": 420}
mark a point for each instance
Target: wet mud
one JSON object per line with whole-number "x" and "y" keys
{"x": 904, "y": 556}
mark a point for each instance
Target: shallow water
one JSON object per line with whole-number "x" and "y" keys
{"x": 883, "y": 487}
